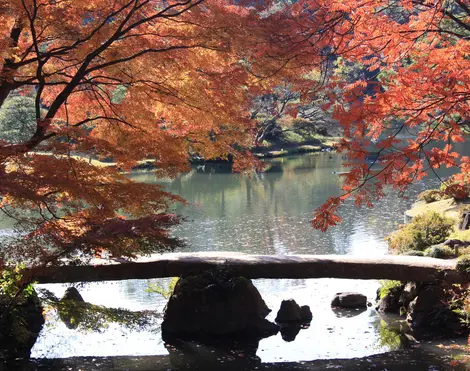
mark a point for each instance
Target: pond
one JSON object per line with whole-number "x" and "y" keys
{"x": 268, "y": 213}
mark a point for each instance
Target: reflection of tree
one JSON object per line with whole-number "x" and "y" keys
{"x": 265, "y": 213}
{"x": 270, "y": 212}
{"x": 392, "y": 335}
{"x": 89, "y": 317}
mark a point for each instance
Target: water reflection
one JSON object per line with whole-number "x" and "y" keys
{"x": 347, "y": 313}
{"x": 268, "y": 214}
{"x": 290, "y": 332}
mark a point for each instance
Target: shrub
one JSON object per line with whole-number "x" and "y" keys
{"x": 461, "y": 235}
{"x": 165, "y": 290}
{"x": 423, "y": 231}
{"x": 388, "y": 286}
{"x": 433, "y": 195}
{"x": 292, "y": 137}
{"x": 440, "y": 252}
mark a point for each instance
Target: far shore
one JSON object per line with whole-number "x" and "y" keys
{"x": 275, "y": 150}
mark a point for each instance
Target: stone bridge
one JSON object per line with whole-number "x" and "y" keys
{"x": 402, "y": 268}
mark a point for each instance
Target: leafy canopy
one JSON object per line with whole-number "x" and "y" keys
{"x": 126, "y": 80}
{"x": 411, "y": 106}
{"x": 136, "y": 79}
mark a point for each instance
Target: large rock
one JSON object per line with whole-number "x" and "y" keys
{"x": 20, "y": 326}
{"x": 349, "y": 300}
{"x": 204, "y": 307}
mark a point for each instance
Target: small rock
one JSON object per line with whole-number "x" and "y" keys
{"x": 349, "y": 300}
{"x": 289, "y": 312}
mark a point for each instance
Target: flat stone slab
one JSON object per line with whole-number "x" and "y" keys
{"x": 403, "y": 268}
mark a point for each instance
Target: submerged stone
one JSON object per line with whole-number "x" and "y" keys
{"x": 290, "y": 332}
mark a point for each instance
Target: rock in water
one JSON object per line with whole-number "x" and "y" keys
{"x": 292, "y": 317}
{"x": 291, "y": 312}
{"x": 349, "y": 300}
{"x": 203, "y": 308}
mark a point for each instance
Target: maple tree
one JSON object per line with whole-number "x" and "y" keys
{"x": 128, "y": 80}
{"x": 411, "y": 106}
{"x": 137, "y": 79}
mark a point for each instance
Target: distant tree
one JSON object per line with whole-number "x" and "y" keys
{"x": 17, "y": 119}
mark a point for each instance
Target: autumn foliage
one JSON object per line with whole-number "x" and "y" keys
{"x": 129, "y": 80}
{"x": 413, "y": 107}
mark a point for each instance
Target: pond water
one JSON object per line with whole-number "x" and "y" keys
{"x": 268, "y": 213}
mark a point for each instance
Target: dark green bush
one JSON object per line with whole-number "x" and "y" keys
{"x": 423, "y": 231}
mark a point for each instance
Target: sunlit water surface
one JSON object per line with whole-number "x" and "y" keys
{"x": 265, "y": 214}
